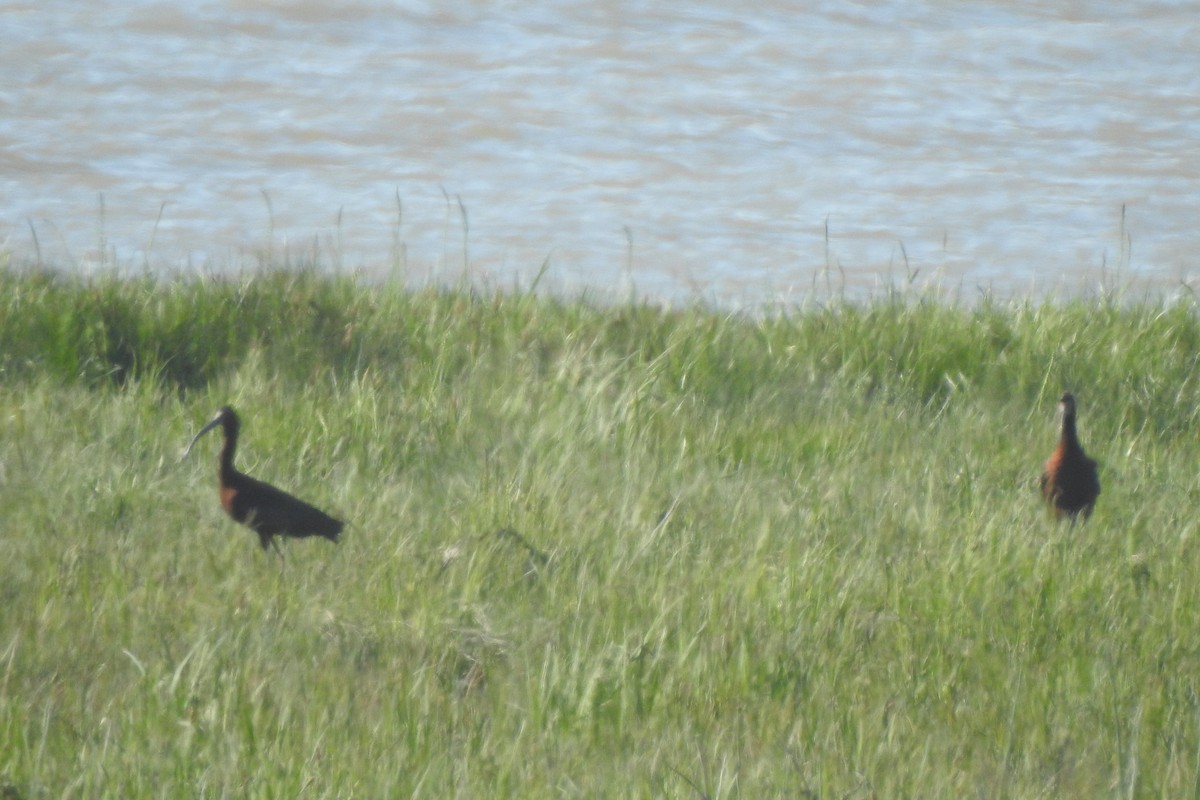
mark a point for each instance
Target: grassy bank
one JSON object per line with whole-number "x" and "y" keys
{"x": 592, "y": 551}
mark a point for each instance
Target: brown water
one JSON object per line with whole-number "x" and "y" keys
{"x": 705, "y": 146}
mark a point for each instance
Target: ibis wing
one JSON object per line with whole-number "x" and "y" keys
{"x": 272, "y": 511}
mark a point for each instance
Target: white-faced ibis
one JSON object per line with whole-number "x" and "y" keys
{"x": 1070, "y": 483}
{"x": 266, "y": 510}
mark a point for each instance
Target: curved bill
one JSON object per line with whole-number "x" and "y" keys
{"x": 212, "y": 423}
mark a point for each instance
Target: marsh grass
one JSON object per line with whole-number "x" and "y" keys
{"x": 592, "y": 550}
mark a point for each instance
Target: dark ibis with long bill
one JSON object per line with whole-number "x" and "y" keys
{"x": 1070, "y": 483}
{"x": 265, "y": 509}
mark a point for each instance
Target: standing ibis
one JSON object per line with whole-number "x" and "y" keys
{"x": 1070, "y": 483}
{"x": 266, "y": 510}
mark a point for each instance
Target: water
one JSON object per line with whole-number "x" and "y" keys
{"x": 702, "y": 149}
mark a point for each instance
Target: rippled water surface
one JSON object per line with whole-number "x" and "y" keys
{"x": 701, "y": 148}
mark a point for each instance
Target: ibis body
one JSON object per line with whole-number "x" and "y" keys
{"x": 265, "y": 509}
{"x": 1070, "y": 483}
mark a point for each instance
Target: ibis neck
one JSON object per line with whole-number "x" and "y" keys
{"x": 225, "y": 468}
{"x": 1068, "y": 430}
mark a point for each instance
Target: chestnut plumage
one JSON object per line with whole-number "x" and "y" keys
{"x": 1070, "y": 483}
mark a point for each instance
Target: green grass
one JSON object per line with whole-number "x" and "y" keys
{"x": 795, "y": 555}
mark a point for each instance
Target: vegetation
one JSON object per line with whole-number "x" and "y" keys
{"x": 593, "y": 550}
